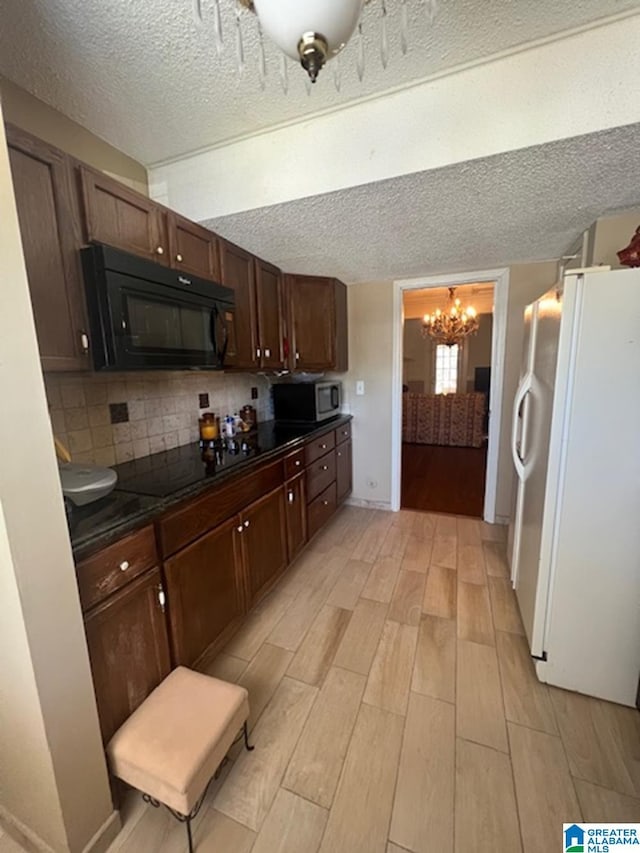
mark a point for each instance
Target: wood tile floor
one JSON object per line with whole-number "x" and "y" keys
{"x": 395, "y": 708}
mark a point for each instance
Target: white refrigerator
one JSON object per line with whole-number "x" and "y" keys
{"x": 575, "y": 558}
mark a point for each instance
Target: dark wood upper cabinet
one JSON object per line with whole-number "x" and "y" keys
{"x": 343, "y": 471}
{"x": 296, "y": 509}
{"x": 237, "y": 271}
{"x": 317, "y": 323}
{"x": 205, "y": 591}
{"x": 264, "y": 544}
{"x": 51, "y": 236}
{"x": 193, "y": 248}
{"x": 123, "y": 218}
{"x": 128, "y": 648}
{"x": 269, "y": 315}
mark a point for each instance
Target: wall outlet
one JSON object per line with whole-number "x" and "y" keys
{"x": 360, "y": 387}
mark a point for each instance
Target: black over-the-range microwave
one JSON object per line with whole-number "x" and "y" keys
{"x": 306, "y": 402}
{"x": 144, "y": 315}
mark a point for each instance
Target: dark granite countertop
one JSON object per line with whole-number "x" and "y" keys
{"x": 149, "y": 486}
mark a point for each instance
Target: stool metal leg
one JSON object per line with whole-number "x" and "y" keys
{"x": 247, "y": 745}
{"x": 188, "y": 823}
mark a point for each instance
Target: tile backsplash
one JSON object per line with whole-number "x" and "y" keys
{"x": 108, "y": 419}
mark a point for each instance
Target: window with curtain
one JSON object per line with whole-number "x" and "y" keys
{"x": 446, "y": 369}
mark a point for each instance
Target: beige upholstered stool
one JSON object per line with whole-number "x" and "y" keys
{"x": 173, "y": 744}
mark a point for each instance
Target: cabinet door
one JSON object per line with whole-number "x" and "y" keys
{"x": 264, "y": 544}
{"x": 128, "y": 649}
{"x": 204, "y": 591}
{"x": 238, "y": 272}
{"x": 296, "y": 509}
{"x": 343, "y": 470}
{"x": 50, "y": 228}
{"x": 193, "y": 248}
{"x": 312, "y": 322}
{"x": 123, "y": 218}
{"x": 269, "y": 309}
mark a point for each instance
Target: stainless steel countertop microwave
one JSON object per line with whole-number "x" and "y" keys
{"x": 144, "y": 315}
{"x": 306, "y": 402}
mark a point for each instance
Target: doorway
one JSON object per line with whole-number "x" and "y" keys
{"x": 445, "y": 404}
{"x": 434, "y": 468}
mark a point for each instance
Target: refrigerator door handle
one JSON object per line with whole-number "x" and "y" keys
{"x": 521, "y": 393}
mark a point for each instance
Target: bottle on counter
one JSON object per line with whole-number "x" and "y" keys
{"x": 229, "y": 426}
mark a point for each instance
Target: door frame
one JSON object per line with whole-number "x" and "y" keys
{"x": 500, "y": 279}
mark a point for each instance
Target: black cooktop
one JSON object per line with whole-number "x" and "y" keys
{"x": 164, "y": 474}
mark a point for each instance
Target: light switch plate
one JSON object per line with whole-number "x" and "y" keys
{"x": 359, "y": 387}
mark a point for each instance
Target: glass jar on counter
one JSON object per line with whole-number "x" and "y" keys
{"x": 209, "y": 426}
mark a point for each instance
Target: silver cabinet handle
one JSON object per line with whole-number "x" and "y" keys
{"x": 297, "y": 356}
{"x": 159, "y": 251}
{"x": 298, "y": 463}
{"x": 290, "y": 496}
{"x": 324, "y": 467}
{"x": 246, "y": 524}
{"x": 179, "y": 258}
{"x": 162, "y": 598}
{"x": 258, "y": 352}
{"x": 124, "y": 565}
{"x": 323, "y": 447}
{"x": 239, "y": 528}
{"x": 84, "y": 341}
{"x": 267, "y": 353}
{"x": 325, "y": 503}
{"x": 339, "y": 454}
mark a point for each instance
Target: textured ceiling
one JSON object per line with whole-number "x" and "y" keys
{"x": 525, "y": 205}
{"x": 145, "y": 77}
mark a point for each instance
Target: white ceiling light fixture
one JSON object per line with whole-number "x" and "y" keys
{"x": 310, "y": 31}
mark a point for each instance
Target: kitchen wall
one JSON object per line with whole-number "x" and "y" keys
{"x": 53, "y": 779}
{"x": 112, "y": 418}
{"x": 370, "y": 359}
{"x": 33, "y": 115}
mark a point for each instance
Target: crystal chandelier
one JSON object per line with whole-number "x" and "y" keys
{"x": 453, "y": 325}
{"x": 310, "y": 32}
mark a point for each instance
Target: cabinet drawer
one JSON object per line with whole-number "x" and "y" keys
{"x": 321, "y": 509}
{"x": 199, "y": 515}
{"x": 116, "y": 565}
{"x": 294, "y": 464}
{"x": 343, "y": 433}
{"x": 320, "y": 474}
{"x": 319, "y": 446}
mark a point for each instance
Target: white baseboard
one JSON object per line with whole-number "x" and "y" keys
{"x": 32, "y": 842}
{"x": 386, "y": 505}
{"x": 105, "y": 836}
{"x": 21, "y": 833}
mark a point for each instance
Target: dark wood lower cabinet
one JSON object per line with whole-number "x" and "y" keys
{"x": 320, "y": 510}
{"x": 128, "y": 649}
{"x": 205, "y": 591}
{"x": 214, "y": 571}
{"x": 264, "y": 544}
{"x": 344, "y": 476}
{"x": 296, "y": 509}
